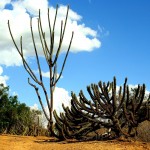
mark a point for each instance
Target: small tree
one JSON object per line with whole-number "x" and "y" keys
{"x": 15, "y": 117}
{"x": 51, "y": 59}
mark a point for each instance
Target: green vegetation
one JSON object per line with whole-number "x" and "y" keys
{"x": 16, "y": 117}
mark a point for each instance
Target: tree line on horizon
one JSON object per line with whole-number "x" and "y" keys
{"x": 17, "y": 118}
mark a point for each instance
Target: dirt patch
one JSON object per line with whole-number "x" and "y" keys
{"x": 13, "y": 142}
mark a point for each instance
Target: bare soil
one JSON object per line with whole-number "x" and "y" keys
{"x": 14, "y": 142}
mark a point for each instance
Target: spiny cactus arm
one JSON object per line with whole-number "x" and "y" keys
{"x": 71, "y": 117}
{"x": 75, "y": 105}
{"x": 67, "y": 113}
{"x": 124, "y": 123}
{"x": 64, "y": 60}
{"x": 103, "y": 101}
{"x": 35, "y": 50}
{"x": 133, "y": 104}
{"x": 98, "y": 111}
{"x": 58, "y": 119}
{"x": 120, "y": 93}
{"x": 74, "y": 132}
{"x": 20, "y": 51}
{"x": 130, "y": 119}
{"x": 74, "y": 110}
{"x": 135, "y": 98}
{"x": 137, "y": 91}
{"x": 126, "y": 113}
{"x": 95, "y": 111}
{"x": 124, "y": 93}
{"x": 95, "y": 91}
{"x": 114, "y": 100}
{"x": 39, "y": 97}
{"x": 52, "y": 32}
{"x": 67, "y": 122}
{"x": 60, "y": 44}
{"x": 127, "y": 101}
{"x": 118, "y": 127}
{"x": 50, "y": 29}
{"x": 61, "y": 34}
{"x": 38, "y": 63}
{"x": 58, "y": 132}
{"x": 133, "y": 119}
{"x": 91, "y": 93}
{"x": 85, "y": 104}
{"x": 88, "y": 125}
{"x": 83, "y": 107}
{"x": 148, "y": 108}
{"x": 104, "y": 106}
{"x": 43, "y": 40}
{"x": 48, "y": 51}
{"x": 79, "y": 105}
{"x": 83, "y": 98}
{"x": 91, "y": 119}
{"x": 101, "y": 106}
{"x": 136, "y": 103}
{"x": 93, "y": 127}
{"x": 26, "y": 66}
{"x": 62, "y": 116}
{"x": 67, "y": 134}
{"x": 94, "y": 108}
{"x": 58, "y": 126}
{"x": 105, "y": 91}
{"x": 89, "y": 116}
{"x": 68, "y": 127}
{"x": 142, "y": 94}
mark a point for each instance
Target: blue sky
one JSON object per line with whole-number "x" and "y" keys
{"x": 118, "y": 34}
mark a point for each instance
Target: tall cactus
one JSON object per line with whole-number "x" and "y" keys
{"x": 108, "y": 108}
{"x": 51, "y": 59}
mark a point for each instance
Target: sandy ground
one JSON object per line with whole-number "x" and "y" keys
{"x": 13, "y": 142}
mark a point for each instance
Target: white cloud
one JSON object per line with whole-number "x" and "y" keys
{"x": 46, "y": 74}
{"x": 3, "y": 78}
{"x": 42, "y": 119}
{"x": 10, "y": 57}
{"x": 131, "y": 86}
{"x": 135, "y": 86}
{"x": 85, "y": 38}
{"x": 34, "y": 107}
{"x": 61, "y": 96}
{"x": 33, "y": 6}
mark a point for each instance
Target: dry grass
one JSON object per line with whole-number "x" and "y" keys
{"x": 144, "y": 131}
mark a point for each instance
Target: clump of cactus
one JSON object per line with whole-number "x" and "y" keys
{"x": 118, "y": 111}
